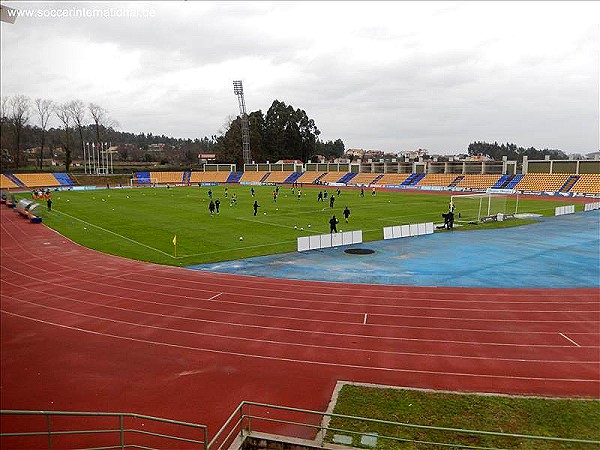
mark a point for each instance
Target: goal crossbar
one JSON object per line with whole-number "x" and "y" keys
{"x": 481, "y": 206}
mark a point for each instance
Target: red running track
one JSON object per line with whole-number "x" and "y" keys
{"x": 87, "y": 331}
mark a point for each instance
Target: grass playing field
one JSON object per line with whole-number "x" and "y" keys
{"x": 141, "y": 223}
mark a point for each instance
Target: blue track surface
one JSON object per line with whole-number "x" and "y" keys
{"x": 558, "y": 252}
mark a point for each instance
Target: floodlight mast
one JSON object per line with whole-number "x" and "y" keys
{"x": 238, "y": 90}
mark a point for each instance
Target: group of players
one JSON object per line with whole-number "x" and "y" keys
{"x": 214, "y": 205}
{"x": 43, "y": 194}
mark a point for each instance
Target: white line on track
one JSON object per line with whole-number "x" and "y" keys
{"x": 292, "y": 318}
{"x": 215, "y": 296}
{"x": 297, "y": 360}
{"x": 272, "y": 328}
{"x": 570, "y": 340}
{"x": 365, "y": 319}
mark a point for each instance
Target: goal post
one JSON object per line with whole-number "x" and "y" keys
{"x": 483, "y": 207}
{"x": 134, "y": 182}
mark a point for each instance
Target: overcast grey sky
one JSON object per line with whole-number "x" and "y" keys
{"x": 391, "y": 76}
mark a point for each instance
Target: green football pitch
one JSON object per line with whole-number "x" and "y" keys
{"x": 142, "y": 223}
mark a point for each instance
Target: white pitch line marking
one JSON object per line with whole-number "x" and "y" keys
{"x": 365, "y": 319}
{"x": 570, "y": 340}
{"x": 215, "y": 296}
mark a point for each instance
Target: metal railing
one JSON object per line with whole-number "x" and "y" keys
{"x": 287, "y": 422}
{"x": 122, "y": 434}
{"x": 245, "y": 420}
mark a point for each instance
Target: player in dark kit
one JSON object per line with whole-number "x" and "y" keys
{"x": 346, "y": 214}
{"x": 255, "y": 206}
{"x": 333, "y": 225}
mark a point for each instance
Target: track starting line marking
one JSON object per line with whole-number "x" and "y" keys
{"x": 570, "y": 340}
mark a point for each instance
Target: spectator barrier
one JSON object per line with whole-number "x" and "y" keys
{"x": 329, "y": 240}
{"x": 591, "y": 206}
{"x": 562, "y": 210}
{"x": 402, "y": 231}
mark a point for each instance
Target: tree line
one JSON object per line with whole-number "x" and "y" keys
{"x": 512, "y": 151}
{"x": 282, "y": 133}
{"x": 25, "y": 124}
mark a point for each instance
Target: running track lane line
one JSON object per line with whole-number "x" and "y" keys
{"x": 292, "y": 360}
{"x": 570, "y": 340}
{"x": 292, "y": 344}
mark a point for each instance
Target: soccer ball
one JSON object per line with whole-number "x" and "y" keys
{"x": 241, "y": 238}
{"x": 265, "y": 213}
{"x": 308, "y": 226}
{"x": 302, "y": 229}
{"x": 295, "y": 227}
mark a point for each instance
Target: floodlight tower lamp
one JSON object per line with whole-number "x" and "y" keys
{"x": 238, "y": 90}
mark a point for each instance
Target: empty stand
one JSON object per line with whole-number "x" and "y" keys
{"x": 166, "y": 177}
{"x": 253, "y": 177}
{"x": 332, "y": 177}
{"x": 364, "y": 178}
{"x": 311, "y": 177}
{"x": 588, "y": 183}
{"x": 38, "y": 179}
{"x": 482, "y": 182}
{"x": 279, "y": 177}
{"x": 7, "y": 183}
{"x": 395, "y": 179}
{"x": 541, "y": 182}
{"x": 437, "y": 179}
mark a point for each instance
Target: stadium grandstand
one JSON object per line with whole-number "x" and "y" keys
{"x": 536, "y": 176}
{"x": 560, "y": 183}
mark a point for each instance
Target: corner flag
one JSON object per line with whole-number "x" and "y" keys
{"x": 175, "y": 244}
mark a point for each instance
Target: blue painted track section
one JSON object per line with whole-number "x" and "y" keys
{"x": 557, "y": 252}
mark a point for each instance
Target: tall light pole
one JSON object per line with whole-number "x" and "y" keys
{"x": 238, "y": 90}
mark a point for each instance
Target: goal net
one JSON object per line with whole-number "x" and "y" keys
{"x": 134, "y": 182}
{"x": 483, "y": 207}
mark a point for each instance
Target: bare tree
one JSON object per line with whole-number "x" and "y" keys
{"x": 5, "y": 158}
{"x": 44, "y": 109}
{"x": 63, "y": 113}
{"x": 101, "y": 119}
{"x": 18, "y": 116}
{"x": 77, "y": 111}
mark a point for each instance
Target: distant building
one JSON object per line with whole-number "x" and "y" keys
{"x": 156, "y": 147}
{"x": 289, "y": 161}
{"x": 414, "y": 154}
{"x": 204, "y": 158}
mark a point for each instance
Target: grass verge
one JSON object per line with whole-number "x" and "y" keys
{"x": 565, "y": 418}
